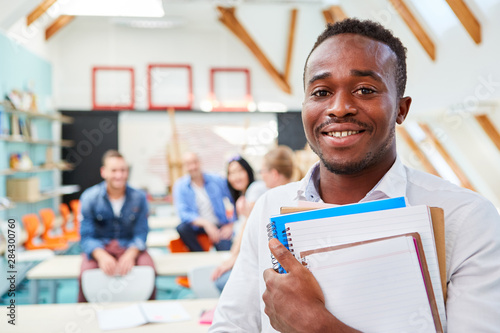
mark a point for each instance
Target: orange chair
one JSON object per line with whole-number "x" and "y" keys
{"x": 177, "y": 245}
{"x": 72, "y": 235}
{"x": 48, "y": 217}
{"x": 31, "y": 224}
{"x": 75, "y": 209}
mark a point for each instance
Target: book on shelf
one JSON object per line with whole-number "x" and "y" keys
{"x": 24, "y": 130}
{"x": 320, "y": 230}
{"x": 15, "y": 131}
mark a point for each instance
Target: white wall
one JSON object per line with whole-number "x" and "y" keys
{"x": 457, "y": 76}
{"x": 203, "y": 43}
{"x": 145, "y": 138}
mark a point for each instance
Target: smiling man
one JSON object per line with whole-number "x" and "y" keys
{"x": 354, "y": 81}
{"x": 114, "y": 227}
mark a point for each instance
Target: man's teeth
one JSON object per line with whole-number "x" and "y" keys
{"x": 342, "y": 134}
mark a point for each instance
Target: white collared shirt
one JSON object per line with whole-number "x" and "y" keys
{"x": 472, "y": 229}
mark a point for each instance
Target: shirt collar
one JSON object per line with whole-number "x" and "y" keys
{"x": 104, "y": 191}
{"x": 392, "y": 184}
{"x": 308, "y": 189}
{"x": 203, "y": 175}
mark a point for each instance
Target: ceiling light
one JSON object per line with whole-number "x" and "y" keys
{"x": 271, "y": 107}
{"x": 127, "y": 8}
{"x": 150, "y": 23}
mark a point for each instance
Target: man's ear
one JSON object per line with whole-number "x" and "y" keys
{"x": 403, "y": 109}
{"x": 275, "y": 173}
{"x": 103, "y": 173}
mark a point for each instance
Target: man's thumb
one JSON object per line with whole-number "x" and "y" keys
{"x": 284, "y": 257}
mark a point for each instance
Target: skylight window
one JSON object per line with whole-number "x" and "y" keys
{"x": 126, "y": 8}
{"x": 437, "y": 14}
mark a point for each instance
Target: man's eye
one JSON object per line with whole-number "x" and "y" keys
{"x": 364, "y": 91}
{"x": 321, "y": 93}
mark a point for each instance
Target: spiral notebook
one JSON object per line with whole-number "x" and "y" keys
{"x": 276, "y": 227}
{"x": 379, "y": 285}
{"x": 311, "y": 234}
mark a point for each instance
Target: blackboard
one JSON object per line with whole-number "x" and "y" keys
{"x": 291, "y": 130}
{"x": 93, "y": 133}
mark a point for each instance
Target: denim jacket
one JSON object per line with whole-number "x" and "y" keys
{"x": 185, "y": 198}
{"x": 99, "y": 224}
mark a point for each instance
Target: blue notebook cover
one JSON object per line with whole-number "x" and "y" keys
{"x": 276, "y": 228}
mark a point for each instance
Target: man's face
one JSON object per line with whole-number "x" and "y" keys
{"x": 115, "y": 172}
{"x": 351, "y": 105}
{"x": 191, "y": 164}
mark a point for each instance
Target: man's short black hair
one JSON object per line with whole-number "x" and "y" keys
{"x": 374, "y": 31}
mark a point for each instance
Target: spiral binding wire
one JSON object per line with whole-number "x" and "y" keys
{"x": 272, "y": 233}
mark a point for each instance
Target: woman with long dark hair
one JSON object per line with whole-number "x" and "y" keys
{"x": 240, "y": 176}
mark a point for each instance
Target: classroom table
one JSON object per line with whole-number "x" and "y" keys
{"x": 68, "y": 267}
{"x": 81, "y": 317}
{"x": 161, "y": 238}
{"x": 163, "y": 222}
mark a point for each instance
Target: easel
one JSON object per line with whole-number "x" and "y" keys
{"x": 174, "y": 158}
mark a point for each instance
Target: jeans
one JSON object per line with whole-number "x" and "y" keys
{"x": 188, "y": 235}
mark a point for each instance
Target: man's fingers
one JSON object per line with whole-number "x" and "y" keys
{"x": 284, "y": 257}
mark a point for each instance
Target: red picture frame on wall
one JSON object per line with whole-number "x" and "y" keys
{"x": 245, "y": 100}
{"x": 170, "y": 86}
{"x": 97, "y": 88}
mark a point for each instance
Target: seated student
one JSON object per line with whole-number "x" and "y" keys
{"x": 199, "y": 200}
{"x": 354, "y": 82}
{"x": 277, "y": 169}
{"x": 240, "y": 181}
{"x": 114, "y": 227}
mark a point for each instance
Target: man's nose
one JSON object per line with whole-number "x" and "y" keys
{"x": 341, "y": 105}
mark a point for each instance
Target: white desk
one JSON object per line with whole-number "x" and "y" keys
{"x": 161, "y": 238}
{"x": 176, "y": 264}
{"x": 68, "y": 267}
{"x": 81, "y": 317}
{"x": 163, "y": 222}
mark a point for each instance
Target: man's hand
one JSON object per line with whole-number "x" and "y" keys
{"x": 127, "y": 261}
{"x": 294, "y": 301}
{"x": 212, "y": 232}
{"x": 210, "y": 229}
{"x": 105, "y": 261}
{"x": 226, "y": 231}
{"x": 241, "y": 206}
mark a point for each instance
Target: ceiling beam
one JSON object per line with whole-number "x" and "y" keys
{"x": 57, "y": 25}
{"x": 489, "y": 128}
{"x": 415, "y": 27}
{"x": 426, "y": 164}
{"x": 229, "y": 19}
{"x": 449, "y": 160}
{"x": 334, "y": 14}
{"x": 39, "y": 11}
{"x": 291, "y": 39}
{"x": 469, "y": 21}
